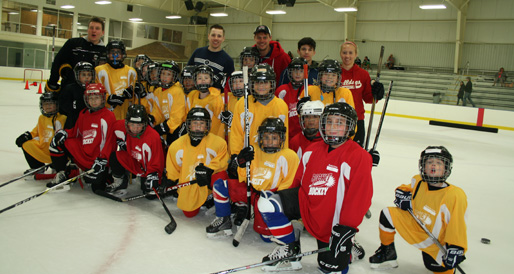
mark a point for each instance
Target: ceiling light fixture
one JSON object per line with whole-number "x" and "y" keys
{"x": 67, "y": 7}
{"x": 346, "y": 9}
{"x": 219, "y": 14}
{"x": 432, "y": 7}
{"x": 136, "y": 19}
{"x": 103, "y": 2}
{"x": 275, "y": 12}
{"x": 173, "y": 17}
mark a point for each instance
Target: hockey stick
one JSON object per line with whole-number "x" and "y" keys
{"x": 242, "y": 228}
{"x": 169, "y": 228}
{"x": 47, "y": 190}
{"x": 432, "y": 237}
{"x": 25, "y": 175}
{"x": 305, "y": 80}
{"x": 225, "y": 94}
{"x": 374, "y": 101}
{"x": 108, "y": 195}
{"x": 379, "y": 129}
{"x": 274, "y": 261}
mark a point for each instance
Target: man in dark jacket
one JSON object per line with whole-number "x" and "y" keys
{"x": 467, "y": 92}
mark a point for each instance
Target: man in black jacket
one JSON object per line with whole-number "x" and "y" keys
{"x": 467, "y": 92}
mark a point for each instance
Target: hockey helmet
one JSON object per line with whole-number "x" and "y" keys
{"x": 236, "y": 84}
{"x": 249, "y": 57}
{"x": 267, "y": 142}
{"x": 86, "y": 70}
{"x": 49, "y": 97}
{"x": 197, "y": 77}
{"x": 95, "y": 90}
{"x": 329, "y": 66}
{"x": 186, "y": 78}
{"x": 152, "y": 74}
{"x": 116, "y": 53}
{"x": 296, "y": 65}
{"x": 262, "y": 73}
{"x": 168, "y": 67}
{"x": 309, "y": 109}
{"x": 136, "y": 114}
{"x": 429, "y": 168}
{"x": 198, "y": 114}
{"x": 333, "y": 116}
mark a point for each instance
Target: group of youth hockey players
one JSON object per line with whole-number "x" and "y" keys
{"x": 292, "y": 153}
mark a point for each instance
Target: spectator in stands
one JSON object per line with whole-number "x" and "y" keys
{"x": 390, "y": 62}
{"x": 366, "y": 63}
{"x": 460, "y": 95}
{"x": 501, "y": 76}
{"x": 358, "y": 62}
{"x": 214, "y": 56}
{"x": 271, "y": 52}
{"x": 467, "y": 92}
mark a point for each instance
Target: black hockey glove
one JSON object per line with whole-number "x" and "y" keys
{"x": 403, "y": 199}
{"x": 226, "y": 117}
{"x": 167, "y": 183}
{"x": 232, "y": 167}
{"x": 115, "y": 100}
{"x": 245, "y": 155}
{"x": 340, "y": 249}
{"x": 49, "y": 87}
{"x": 180, "y": 131}
{"x": 26, "y": 136}
{"x": 151, "y": 118}
{"x": 300, "y": 104}
{"x": 140, "y": 90}
{"x": 152, "y": 181}
{"x": 375, "y": 155}
{"x": 162, "y": 128}
{"x": 203, "y": 175}
{"x": 99, "y": 166}
{"x": 122, "y": 144}
{"x": 377, "y": 89}
{"x": 454, "y": 256}
{"x": 59, "y": 138}
{"x": 67, "y": 73}
{"x": 128, "y": 93}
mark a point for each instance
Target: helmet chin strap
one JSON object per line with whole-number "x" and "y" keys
{"x": 115, "y": 56}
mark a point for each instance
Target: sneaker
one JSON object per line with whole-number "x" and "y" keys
{"x": 240, "y": 216}
{"x": 219, "y": 227}
{"x": 59, "y": 178}
{"x": 118, "y": 187}
{"x": 280, "y": 252}
{"x": 357, "y": 252}
{"x": 384, "y": 258}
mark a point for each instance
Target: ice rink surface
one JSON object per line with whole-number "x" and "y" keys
{"x": 80, "y": 232}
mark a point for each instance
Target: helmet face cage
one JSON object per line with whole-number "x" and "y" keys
{"x": 295, "y": 68}
{"x": 435, "y": 157}
{"x": 310, "y": 109}
{"x": 140, "y": 60}
{"x": 262, "y": 74}
{"x": 142, "y": 71}
{"x": 198, "y": 114}
{"x": 249, "y": 53}
{"x": 167, "y": 68}
{"x": 236, "y": 84}
{"x": 49, "y": 97}
{"x": 152, "y": 74}
{"x": 271, "y": 125}
{"x": 136, "y": 114}
{"x": 95, "y": 90}
{"x": 335, "y": 116}
{"x": 84, "y": 67}
{"x": 112, "y": 58}
{"x": 329, "y": 68}
{"x": 200, "y": 74}
{"x": 186, "y": 78}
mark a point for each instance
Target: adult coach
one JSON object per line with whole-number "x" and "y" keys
{"x": 87, "y": 49}
{"x": 214, "y": 56}
{"x": 271, "y": 52}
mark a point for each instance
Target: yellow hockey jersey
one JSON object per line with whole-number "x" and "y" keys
{"x": 213, "y": 103}
{"x": 169, "y": 105}
{"x": 42, "y": 135}
{"x": 182, "y": 160}
{"x": 341, "y": 95}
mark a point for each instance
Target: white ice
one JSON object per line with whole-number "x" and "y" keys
{"x": 79, "y": 232}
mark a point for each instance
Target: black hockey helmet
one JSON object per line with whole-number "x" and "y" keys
{"x": 249, "y": 52}
{"x": 49, "y": 97}
{"x": 173, "y": 68}
{"x": 84, "y": 67}
{"x": 329, "y": 66}
{"x": 95, "y": 89}
{"x": 136, "y": 114}
{"x": 311, "y": 108}
{"x": 152, "y": 74}
{"x": 140, "y": 59}
{"x": 234, "y": 83}
{"x": 203, "y": 69}
{"x": 296, "y": 65}
{"x": 344, "y": 111}
{"x": 435, "y": 152}
{"x": 198, "y": 114}
{"x": 272, "y": 125}
{"x": 115, "y": 59}
{"x": 263, "y": 73}
{"x": 185, "y": 75}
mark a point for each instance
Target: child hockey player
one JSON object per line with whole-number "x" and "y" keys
{"x": 199, "y": 155}
{"x": 208, "y": 97}
{"x": 235, "y": 92}
{"x": 440, "y": 206}
{"x": 139, "y": 152}
{"x": 335, "y": 190}
{"x": 309, "y": 121}
{"x": 89, "y": 143}
{"x": 35, "y": 144}
{"x": 186, "y": 79}
{"x": 272, "y": 169}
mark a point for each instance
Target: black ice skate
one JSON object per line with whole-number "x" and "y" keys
{"x": 118, "y": 187}
{"x": 384, "y": 258}
{"x": 280, "y": 252}
{"x": 357, "y": 252}
{"x": 59, "y": 178}
{"x": 219, "y": 227}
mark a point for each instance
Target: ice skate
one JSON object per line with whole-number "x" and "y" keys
{"x": 59, "y": 178}
{"x": 384, "y": 258}
{"x": 219, "y": 227}
{"x": 280, "y": 252}
{"x": 357, "y": 252}
{"x": 118, "y": 187}
{"x": 241, "y": 211}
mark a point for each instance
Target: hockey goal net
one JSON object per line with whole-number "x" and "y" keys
{"x": 33, "y": 75}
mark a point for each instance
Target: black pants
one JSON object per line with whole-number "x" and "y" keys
{"x": 361, "y": 133}
{"x": 33, "y": 163}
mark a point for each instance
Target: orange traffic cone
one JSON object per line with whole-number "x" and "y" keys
{"x": 39, "y": 90}
{"x": 27, "y": 85}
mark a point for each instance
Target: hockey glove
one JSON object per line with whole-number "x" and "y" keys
{"x": 403, "y": 199}
{"x": 128, "y": 92}
{"x": 67, "y": 73}
{"x": 122, "y": 144}
{"x": 180, "y": 131}
{"x": 99, "y": 166}
{"x": 375, "y": 156}
{"x": 152, "y": 181}
{"x": 151, "y": 118}
{"x": 226, "y": 117}
{"x": 454, "y": 256}
{"x": 300, "y": 104}
{"x": 203, "y": 175}
{"x": 26, "y": 136}
{"x": 49, "y": 87}
{"x": 59, "y": 138}
{"x": 377, "y": 89}
{"x": 167, "y": 183}
{"x": 140, "y": 90}
{"x": 115, "y": 100}
{"x": 162, "y": 128}
{"x": 245, "y": 155}
{"x": 232, "y": 167}
{"x": 340, "y": 249}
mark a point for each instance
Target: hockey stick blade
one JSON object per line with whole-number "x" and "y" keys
{"x": 273, "y": 261}
{"x": 108, "y": 195}
{"x": 240, "y": 232}
{"x": 169, "y": 228}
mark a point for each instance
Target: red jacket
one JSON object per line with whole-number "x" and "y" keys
{"x": 358, "y": 81}
{"x": 278, "y": 59}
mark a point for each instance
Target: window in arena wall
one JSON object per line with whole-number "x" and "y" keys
{"x": 121, "y": 31}
{"x": 19, "y": 17}
{"x": 148, "y": 32}
{"x": 173, "y": 36}
{"x": 63, "y": 21}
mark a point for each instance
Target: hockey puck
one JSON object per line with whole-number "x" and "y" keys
{"x": 485, "y": 241}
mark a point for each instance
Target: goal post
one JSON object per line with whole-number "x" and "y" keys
{"x": 33, "y": 75}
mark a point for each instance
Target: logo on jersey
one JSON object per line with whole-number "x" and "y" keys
{"x": 89, "y": 137}
{"x": 350, "y": 84}
{"x": 260, "y": 175}
{"x": 320, "y": 183}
